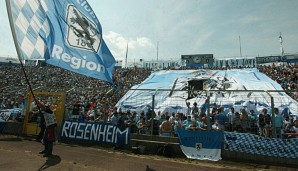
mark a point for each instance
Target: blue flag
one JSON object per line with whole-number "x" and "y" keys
{"x": 65, "y": 33}
{"x": 203, "y": 145}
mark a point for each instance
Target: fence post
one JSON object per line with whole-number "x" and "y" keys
{"x": 273, "y": 117}
{"x": 105, "y": 109}
{"x": 152, "y": 119}
{"x": 208, "y": 110}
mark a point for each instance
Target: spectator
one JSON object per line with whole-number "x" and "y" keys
{"x": 128, "y": 116}
{"x": 287, "y": 121}
{"x": 204, "y": 106}
{"x": 121, "y": 120}
{"x": 166, "y": 128}
{"x": 264, "y": 123}
{"x": 278, "y": 122}
{"x": 177, "y": 124}
{"x": 237, "y": 122}
{"x": 91, "y": 112}
{"x": 142, "y": 126}
{"x": 245, "y": 120}
{"x": 187, "y": 122}
{"x": 195, "y": 126}
{"x": 114, "y": 116}
{"x": 252, "y": 117}
{"x": 188, "y": 110}
{"x": 291, "y": 131}
{"x": 132, "y": 122}
{"x": 217, "y": 126}
{"x": 195, "y": 109}
{"x": 230, "y": 119}
{"x": 203, "y": 122}
{"x": 172, "y": 118}
{"x": 161, "y": 119}
{"x": 221, "y": 117}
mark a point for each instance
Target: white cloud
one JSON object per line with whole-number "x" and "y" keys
{"x": 143, "y": 42}
{"x": 115, "y": 39}
{"x": 250, "y": 19}
{"x": 118, "y": 43}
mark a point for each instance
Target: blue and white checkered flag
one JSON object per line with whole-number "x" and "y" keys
{"x": 65, "y": 33}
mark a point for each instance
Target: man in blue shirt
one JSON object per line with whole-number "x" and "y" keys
{"x": 278, "y": 122}
{"x": 204, "y": 106}
{"x": 187, "y": 122}
{"x": 221, "y": 117}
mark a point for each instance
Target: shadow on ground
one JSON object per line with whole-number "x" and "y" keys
{"x": 51, "y": 161}
{"x": 11, "y": 139}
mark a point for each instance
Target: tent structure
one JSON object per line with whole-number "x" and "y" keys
{"x": 168, "y": 90}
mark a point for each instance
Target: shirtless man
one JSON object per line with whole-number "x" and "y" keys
{"x": 166, "y": 127}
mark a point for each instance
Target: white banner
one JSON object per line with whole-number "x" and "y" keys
{"x": 50, "y": 119}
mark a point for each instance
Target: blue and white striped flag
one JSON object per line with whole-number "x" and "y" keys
{"x": 65, "y": 33}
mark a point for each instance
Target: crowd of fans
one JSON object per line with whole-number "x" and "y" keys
{"x": 243, "y": 121}
{"x": 285, "y": 75}
{"x": 89, "y": 99}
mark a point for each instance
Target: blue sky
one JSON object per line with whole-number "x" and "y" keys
{"x": 188, "y": 27}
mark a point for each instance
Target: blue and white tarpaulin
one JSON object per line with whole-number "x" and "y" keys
{"x": 176, "y": 82}
{"x": 95, "y": 132}
{"x": 254, "y": 144}
{"x": 65, "y": 33}
{"x": 203, "y": 145}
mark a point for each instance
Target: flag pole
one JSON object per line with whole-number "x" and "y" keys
{"x": 281, "y": 47}
{"x": 157, "y": 51}
{"x": 126, "y": 55}
{"x": 18, "y": 48}
{"x": 240, "y": 47}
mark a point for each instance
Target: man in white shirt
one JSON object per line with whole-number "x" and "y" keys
{"x": 231, "y": 116}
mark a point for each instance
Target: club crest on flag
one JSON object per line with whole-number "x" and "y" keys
{"x": 82, "y": 32}
{"x": 198, "y": 146}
